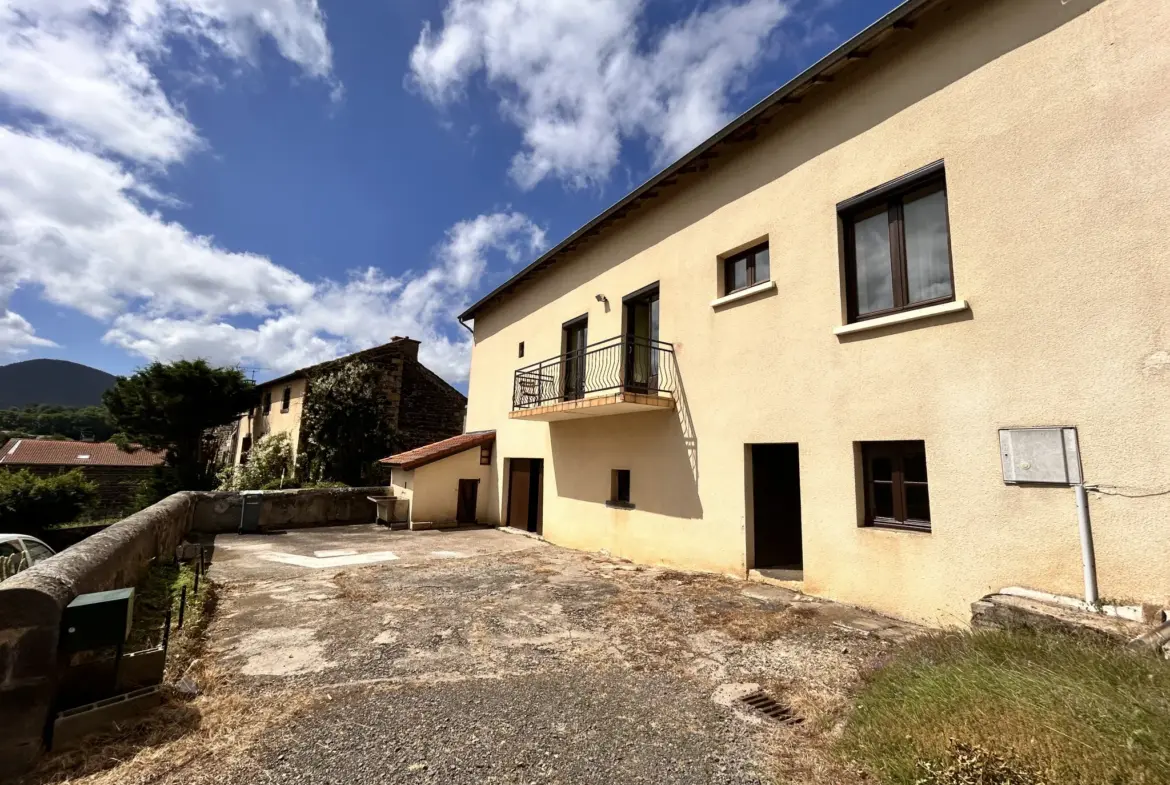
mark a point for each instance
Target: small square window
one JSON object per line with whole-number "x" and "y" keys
{"x": 521, "y": 349}
{"x": 619, "y": 489}
{"x": 896, "y": 491}
{"x": 746, "y": 268}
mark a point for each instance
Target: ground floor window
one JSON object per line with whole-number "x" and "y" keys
{"x": 619, "y": 488}
{"x": 896, "y": 490}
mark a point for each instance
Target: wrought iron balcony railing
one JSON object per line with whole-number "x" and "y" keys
{"x": 622, "y": 364}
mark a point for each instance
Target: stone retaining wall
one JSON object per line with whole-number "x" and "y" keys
{"x": 31, "y": 603}
{"x": 219, "y": 512}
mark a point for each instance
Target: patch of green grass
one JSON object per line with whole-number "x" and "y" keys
{"x": 1058, "y": 709}
{"x": 162, "y": 587}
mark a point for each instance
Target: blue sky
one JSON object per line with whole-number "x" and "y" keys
{"x": 276, "y": 182}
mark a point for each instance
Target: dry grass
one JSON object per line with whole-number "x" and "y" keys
{"x": 805, "y": 754}
{"x": 683, "y": 578}
{"x": 1079, "y": 711}
{"x": 753, "y": 624}
{"x": 208, "y": 740}
{"x": 355, "y": 588}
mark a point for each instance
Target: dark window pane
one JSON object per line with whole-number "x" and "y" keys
{"x": 928, "y": 266}
{"x": 737, "y": 279}
{"x": 917, "y": 503}
{"x": 623, "y": 485}
{"x": 881, "y": 469}
{"x": 883, "y": 500}
{"x": 914, "y": 466}
{"x": 875, "y": 283}
{"x": 763, "y": 266}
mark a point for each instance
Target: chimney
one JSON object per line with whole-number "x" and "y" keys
{"x": 407, "y": 346}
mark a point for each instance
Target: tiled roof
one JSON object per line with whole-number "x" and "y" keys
{"x": 46, "y": 452}
{"x": 421, "y": 456}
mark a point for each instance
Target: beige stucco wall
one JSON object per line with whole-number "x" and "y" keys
{"x": 276, "y": 421}
{"x": 434, "y": 489}
{"x": 1054, "y": 122}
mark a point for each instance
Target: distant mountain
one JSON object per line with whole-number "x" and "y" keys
{"x": 54, "y": 382}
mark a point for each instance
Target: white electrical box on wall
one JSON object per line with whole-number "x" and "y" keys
{"x": 1045, "y": 456}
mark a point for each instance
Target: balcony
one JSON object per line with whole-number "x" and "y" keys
{"x": 620, "y": 375}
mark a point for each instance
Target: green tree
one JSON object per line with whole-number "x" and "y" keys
{"x": 345, "y": 425}
{"x": 170, "y": 406}
{"x": 88, "y": 422}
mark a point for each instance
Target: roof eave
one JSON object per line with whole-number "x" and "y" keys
{"x": 802, "y": 80}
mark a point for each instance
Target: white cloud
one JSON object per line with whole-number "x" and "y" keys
{"x": 17, "y": 335}
{"x": 83, "y": 68}
{"x": 81, "y": 181}
{"x": 366, "y": 310}
{"x": 577, "y": 80}
{"x": 69, "y": 223}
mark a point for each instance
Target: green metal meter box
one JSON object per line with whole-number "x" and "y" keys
{"x": 95, "y": 621}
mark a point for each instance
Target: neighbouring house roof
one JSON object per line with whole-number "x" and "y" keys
{"x": 47, "y": 452}
{"x": 429, "y": 453}
{"x": 310, "y": 370}
{"x": 744, "y": 128}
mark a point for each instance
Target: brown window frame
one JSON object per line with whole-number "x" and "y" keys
{"x": 896, "y": 452}
{"x": 750, "y": 255}
{"x": 891, "y": 196}
{"x": 285, "y": 400}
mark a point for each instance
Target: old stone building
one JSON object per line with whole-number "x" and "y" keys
{"x": 423, "y": 407}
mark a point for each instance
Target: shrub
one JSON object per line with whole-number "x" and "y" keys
{"x": 269, "y": 466}
{"x": 29, "y": 503}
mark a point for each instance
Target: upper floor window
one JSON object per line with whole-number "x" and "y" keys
{"x": 746, "y": 268}
{"x": 267, "y": 401}
{"x": 286, "y": 399}
{"x": 896, "y": 490}
{"x": 897, "y": 246}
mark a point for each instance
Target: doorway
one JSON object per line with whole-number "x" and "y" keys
{"x": 776, "y": 529}
{"x": 575, "y": 339}
{"x": 640, "y": 338}
{"x": 525, "y": 494}
{"x": 468, "y": 497}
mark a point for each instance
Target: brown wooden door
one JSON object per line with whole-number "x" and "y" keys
{"x": 468, "y": 495}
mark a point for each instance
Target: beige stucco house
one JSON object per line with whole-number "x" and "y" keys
{"x": 796, "y": 347}
{"x": 423, "y": 407}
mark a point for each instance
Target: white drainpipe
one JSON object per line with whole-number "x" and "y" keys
{"x": 1088, "y": 558}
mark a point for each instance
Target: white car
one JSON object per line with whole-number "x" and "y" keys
{"x": 18, "y": 552}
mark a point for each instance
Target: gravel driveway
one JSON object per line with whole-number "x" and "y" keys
{"x": 357, "y": 655}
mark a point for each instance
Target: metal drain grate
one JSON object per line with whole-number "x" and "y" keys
{"x": 763, "y": 703}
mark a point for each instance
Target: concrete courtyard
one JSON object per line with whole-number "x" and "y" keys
{"x": 479, "y": 656}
